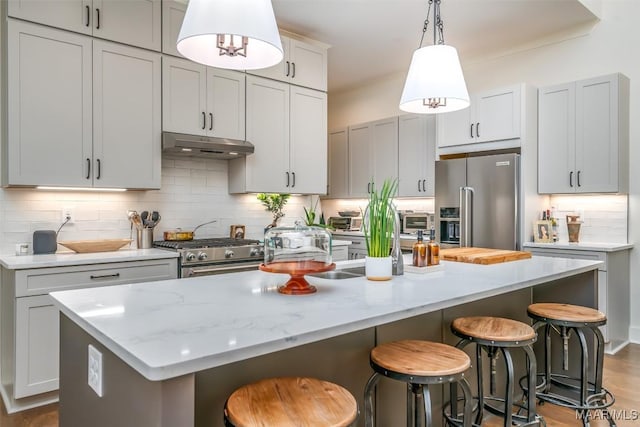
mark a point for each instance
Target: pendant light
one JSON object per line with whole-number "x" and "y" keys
{"x": 233, "y": 34}
{"x": 435, "y": 83}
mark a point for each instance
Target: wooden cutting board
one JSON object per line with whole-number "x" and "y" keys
{"x": 482, "y": 255}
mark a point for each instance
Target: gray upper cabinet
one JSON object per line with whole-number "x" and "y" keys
{"x": 134, "y": 22}
{"x": 338, "y": 164}
{"x": 173, "y": 12}
{"x": 304, "y": 64}
{"x": 107, "y": 134}
{"x": 583, "y": 132}
{"x": 202, "y": 100}
{"x": 416, "y": 155}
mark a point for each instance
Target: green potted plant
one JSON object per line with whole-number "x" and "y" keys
{"x": 378, "y": 222}
{"x": 274, "y": 203}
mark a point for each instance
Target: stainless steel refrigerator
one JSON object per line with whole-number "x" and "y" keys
{"x": 477, "y": 202}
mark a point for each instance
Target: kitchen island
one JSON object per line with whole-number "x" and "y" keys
{"x": 172, "y": 351}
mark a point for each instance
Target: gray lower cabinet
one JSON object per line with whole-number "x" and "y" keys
{"x": 29, "y": 328}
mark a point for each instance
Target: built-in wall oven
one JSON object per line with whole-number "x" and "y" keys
{"x": 205, "y": 257}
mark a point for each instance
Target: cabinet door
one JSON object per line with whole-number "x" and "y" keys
{"x": 126, "y": 116}
{"x": 455, "y": 128}
{"x": 416, "y": 155}
{"x": 282, "y": 70}
{"x": 184, "y": 93}
{"x": 338, "y": 164}
{"x": 134, "y": 22}
{"x": 267, "y": 169}
{"x": 384, "y": 150}
{"x": 556, "y": 139}
{"x": 49, "y": 106}
{"x": 73, "y": 15}
{"x": 308, "y": 141}
{"x": 173, "y": 12}
{"x": 360, "y": 171}
{"x": 597, "y": 135}
{"x": 37, "y": 338}
{"x": 497, "y": 114}
{"x": 225, "y": 103}
{"x": 308, "y": 65}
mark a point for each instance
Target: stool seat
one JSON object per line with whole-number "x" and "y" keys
{"x": 566, "y": 312}
{"x": 493, "y": 329}
{"x": 291, "y": 402}
{"x": 420, "y": 358}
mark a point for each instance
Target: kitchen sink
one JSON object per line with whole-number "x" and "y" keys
{"x": 346, "y": 273}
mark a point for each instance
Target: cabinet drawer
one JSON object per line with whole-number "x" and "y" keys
{"x": 573, "y": 254}
{"x": 340, "y": 253}
{"x": 44, "y": 280}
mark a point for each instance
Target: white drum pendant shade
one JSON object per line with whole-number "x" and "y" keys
{"x": 254, "y": 19}
{"x": 435, "y": 72}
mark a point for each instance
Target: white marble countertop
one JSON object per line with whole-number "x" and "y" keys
{"x": 597, "y": 247}
{"x": 63, "y": 259}
{"x": 174, "y": 327}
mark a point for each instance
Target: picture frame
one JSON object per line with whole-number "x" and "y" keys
{"x": 542, "y": 232}
{"x": 237, "y": 231}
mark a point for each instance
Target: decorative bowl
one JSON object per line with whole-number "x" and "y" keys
{"x": 349, "y": 213}
{"x": 88, "y": 246}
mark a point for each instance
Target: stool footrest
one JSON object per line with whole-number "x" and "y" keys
{"x": 522, "y": 420}
{"x": 595, "y": 401}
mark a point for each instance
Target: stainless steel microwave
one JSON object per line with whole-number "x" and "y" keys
{"x": 351, "y": 223}
{"x": 412, "y": 222}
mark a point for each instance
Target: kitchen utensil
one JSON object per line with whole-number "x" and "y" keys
{"x": 155, "y": 218}
{"x": 179, "y": 234}
{"x": 144, "y": 216}
{"x": 145, "y": 238}
{"x": 137, "y": 221}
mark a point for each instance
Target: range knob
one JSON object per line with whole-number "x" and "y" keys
{"x": 190, "y": 256}
{"x": 228, "y": 253}
{"x": 256, "y": 252}
{"x": 202, "y": 256}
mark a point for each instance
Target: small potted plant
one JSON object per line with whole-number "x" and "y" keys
{"x": 378, "y": 223}
{"x": 274, "y": 203}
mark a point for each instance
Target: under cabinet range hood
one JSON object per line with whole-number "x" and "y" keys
{"x": 205, "y": 146}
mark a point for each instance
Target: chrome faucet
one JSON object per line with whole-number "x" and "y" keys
{"x": 396, "y": 251}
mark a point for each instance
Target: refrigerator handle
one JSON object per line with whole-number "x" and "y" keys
{"x": 462, "y": 215}
{"x": 466, "y": 216}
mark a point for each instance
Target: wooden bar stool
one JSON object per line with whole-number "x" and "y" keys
{"x": 497, "y": 335}
{"x": 419, "y": 364}
{"x": 580, "y": 394}
{"x": 290, "y": 402}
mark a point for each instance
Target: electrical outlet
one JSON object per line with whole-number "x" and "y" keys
{"x": 67, "y": 213}
{"x": 94, "y": 375}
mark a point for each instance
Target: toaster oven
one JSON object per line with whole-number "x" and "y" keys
{"x": 351, "y": 223}
{"x": 412, "y": 222}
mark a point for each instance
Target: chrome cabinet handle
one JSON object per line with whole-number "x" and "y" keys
{"x": 104, "y": 276}
{"x": 287, "y": 178}
{"x": 293, "y": 174}
{"x": 98, "y": 20}
{"x": 211, "y": 117}
{"x": 88, "y": 15}
{"x": 204, "y": 120}
{"x": 478, "y": 130}
{"x": 571, "y": 179}
{"x": 88, "y": 168}
{"x": 578, "y": 179}
{"x": 288, "y": 69}
{"x": 99, "y": 169}
{"x": 293, "y": 66}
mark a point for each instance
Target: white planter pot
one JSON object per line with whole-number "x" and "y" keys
{"x": 378, "y": 268}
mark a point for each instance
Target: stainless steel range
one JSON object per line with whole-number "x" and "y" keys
{"x": 202, "y": 257}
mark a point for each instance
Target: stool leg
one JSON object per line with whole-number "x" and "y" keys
{"x": 426, "y": 396}
{"x": 508, "y": 398}
{"x": 412, "y": 415}
{"x": 369, "y": 409}
{"x": 547, "y": 358}
{"x": 531, "y": 394}
{"x": 468, "y": 402}
{"x": 584, "y": 367}
{"x": 480, "y": 385}
{"x": 599, "y": 358}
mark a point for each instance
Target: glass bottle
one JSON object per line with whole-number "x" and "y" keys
{"x": 433, "y": 248}
{"x": 420, "y": 252}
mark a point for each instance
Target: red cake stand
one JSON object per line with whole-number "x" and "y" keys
{"x": 297, "y": 285}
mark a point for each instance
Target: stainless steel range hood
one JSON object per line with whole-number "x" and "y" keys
{"x": 204, "y": 146}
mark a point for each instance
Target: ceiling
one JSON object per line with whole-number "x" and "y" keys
{"x": 371, "y": 39}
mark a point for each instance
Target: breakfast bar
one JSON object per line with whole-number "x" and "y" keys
{"x": 172, "y": 351}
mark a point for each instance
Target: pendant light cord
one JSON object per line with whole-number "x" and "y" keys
{"x": 438, "y": 25}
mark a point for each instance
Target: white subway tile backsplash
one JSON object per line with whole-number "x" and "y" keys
{"x": 193, "y": 191}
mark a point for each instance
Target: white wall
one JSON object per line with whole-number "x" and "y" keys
{"x": 193, "y": 191}
{"x": 610, "y": 47}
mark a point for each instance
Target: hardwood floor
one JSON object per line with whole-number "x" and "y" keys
{"x": 621, "y": 377}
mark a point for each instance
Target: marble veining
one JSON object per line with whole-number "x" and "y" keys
{"x": 175, "y": 327}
